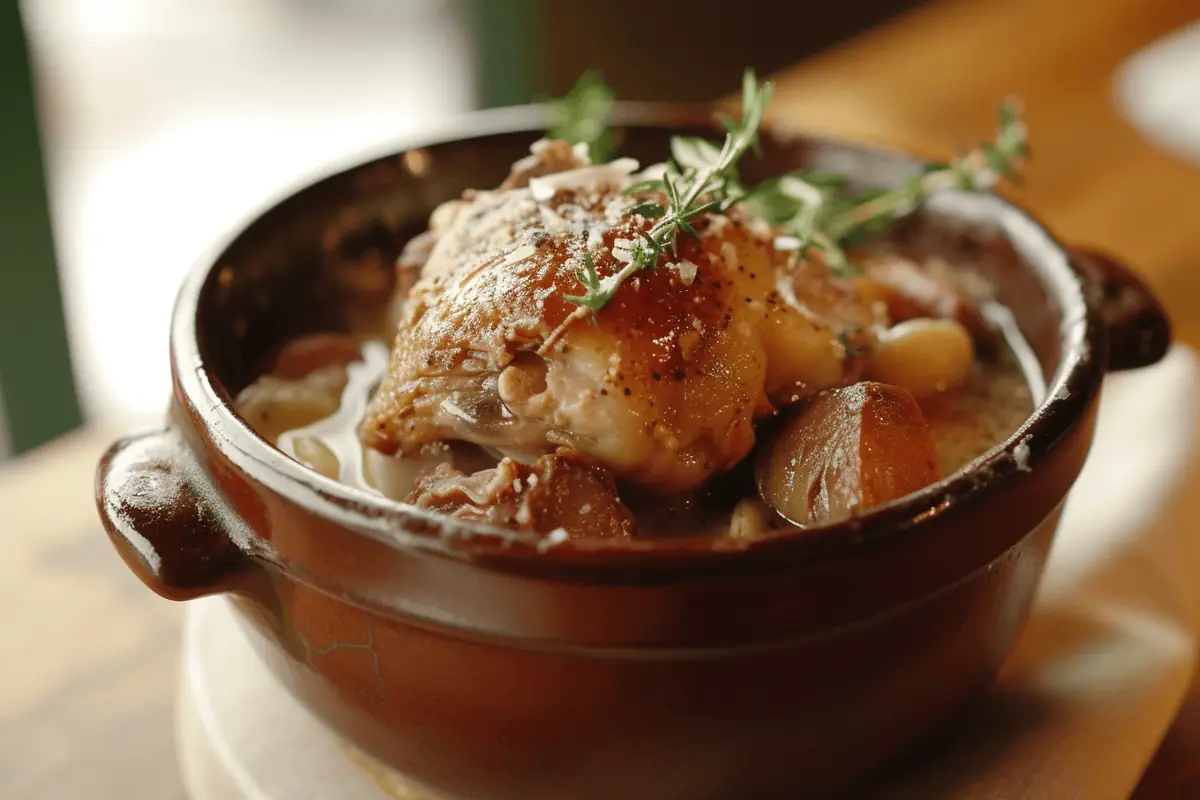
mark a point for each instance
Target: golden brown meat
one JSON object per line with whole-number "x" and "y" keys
{"x": 930, "y": 289}
{"x": 662, "y": 386}
{"x": 559, "y": 491}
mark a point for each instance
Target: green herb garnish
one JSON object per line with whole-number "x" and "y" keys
{"x": 814, "y": 211}
{"x": 599, "y": 290}
{"x": 583, "y": 116}
{"x": 700, "y": 178}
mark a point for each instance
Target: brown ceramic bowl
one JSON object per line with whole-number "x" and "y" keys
{"x": 487, "y": 664}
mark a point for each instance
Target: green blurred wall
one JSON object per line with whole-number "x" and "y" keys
{"x": 35, "y": 367}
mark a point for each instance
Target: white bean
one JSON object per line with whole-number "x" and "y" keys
{"x": 747, "y": 520}
{"x": 925, "y": 356}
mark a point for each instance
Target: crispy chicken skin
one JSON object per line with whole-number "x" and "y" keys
{"x": 662, "y": 386}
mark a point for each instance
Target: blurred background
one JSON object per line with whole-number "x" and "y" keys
{"x": 142, "y": 130}
{"x": 138, "y": 132}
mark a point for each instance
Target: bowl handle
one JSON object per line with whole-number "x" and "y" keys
{"x": 171, "y": 526}
{"x": 1139, "y": 331}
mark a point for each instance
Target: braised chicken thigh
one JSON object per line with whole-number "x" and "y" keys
{"x": 663, "y": 388}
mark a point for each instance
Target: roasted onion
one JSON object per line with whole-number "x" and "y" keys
{"x": 845, "y": 451}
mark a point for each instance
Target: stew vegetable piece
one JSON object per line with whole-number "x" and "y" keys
{"x": 610, "y": 351}
{"x": 846, "y": 449}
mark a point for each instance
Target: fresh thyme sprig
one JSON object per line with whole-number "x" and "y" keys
{"x": 700, "y": 178}
{"x": 811, "y": 210}
{"x": 814, "y": 211}
{"x": 595, "y": 285}
{"x": 583, "y": 116}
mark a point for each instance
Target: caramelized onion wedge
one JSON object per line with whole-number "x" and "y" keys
{"x": 845, "y": 451}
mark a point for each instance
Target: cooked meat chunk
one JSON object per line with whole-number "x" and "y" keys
{"x": 912, "y": 290}
{"x": 546, "y": 156}
{"x": 561, "y": 490}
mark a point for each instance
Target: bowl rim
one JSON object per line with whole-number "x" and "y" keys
{"x": 1071, "y": 391}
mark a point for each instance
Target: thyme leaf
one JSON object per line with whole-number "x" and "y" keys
{"x": 814, "y": 211}
{"x": 583, "y": 116}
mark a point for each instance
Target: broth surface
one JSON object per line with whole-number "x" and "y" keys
{"x": 971, "y": 419}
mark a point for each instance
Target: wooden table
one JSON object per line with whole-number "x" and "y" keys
{"x": 86, "y": 699}
{"x": 86, "y": 696}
